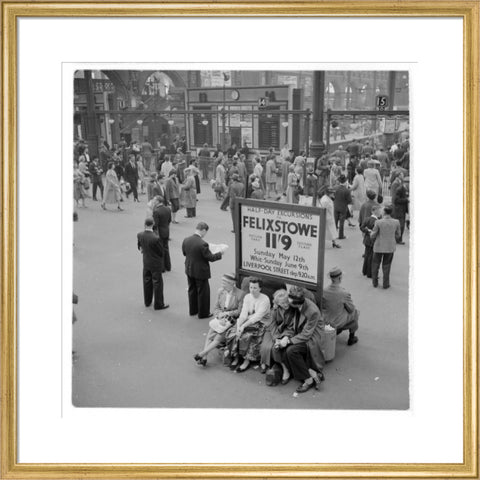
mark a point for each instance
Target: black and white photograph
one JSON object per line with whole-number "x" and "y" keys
{"x": 241, "y": 238}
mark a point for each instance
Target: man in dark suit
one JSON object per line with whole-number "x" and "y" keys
{"x": 367, "y": 207}
{"x": 131, "y": 176}
{"x": 366, "y": 228}
{"x": 150, "y": 245}
{"x": 197, "y": 268}
{"x": 385, "y": 233}
{"x": 162, "y": 216}
{"x": 343, "y": 198}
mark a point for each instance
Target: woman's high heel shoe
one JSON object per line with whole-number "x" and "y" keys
{"x": 336, "y": 245}
{"x": 120, "y": 208}
{"x": 103, "y": 206}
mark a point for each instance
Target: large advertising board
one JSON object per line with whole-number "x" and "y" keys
{"x": 281, "y": 241}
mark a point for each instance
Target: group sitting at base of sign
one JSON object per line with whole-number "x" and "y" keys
{"x": 283, "y": 330}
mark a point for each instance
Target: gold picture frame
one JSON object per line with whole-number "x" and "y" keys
{"x": 467, "y": 10}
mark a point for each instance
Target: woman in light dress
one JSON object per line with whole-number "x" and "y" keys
{"x": 112, "y": 193}
{"x": 78, "y": 190}
{"x": 292, "y": 185}
{"x": 327, "y": 202}
{"x": 189, "y": 193}
{"x": 142, "y": 173}
{"x": 358, "y": 190}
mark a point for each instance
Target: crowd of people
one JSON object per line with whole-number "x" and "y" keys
{"x": 282, "y": 329}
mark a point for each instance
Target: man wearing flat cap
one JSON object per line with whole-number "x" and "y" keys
{"x": 300, "y": 347}
{"x": 338, "y": 307}
{"x": 235, "y": 189}
{"x": 386, "y": 233}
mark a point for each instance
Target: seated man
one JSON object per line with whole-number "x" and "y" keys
{"x": 298, "y": 350}
{"x": 338, "y": 308}
{"x": 227, "y": 309}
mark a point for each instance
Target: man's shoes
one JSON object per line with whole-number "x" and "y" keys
{"x": 352, "y": 341}
{"x": 284, "y": 381}
{"x": 209, "y": 315}
{"x": 385, "y": 287}
{"x": 342, "y": 238}
{"x": 351, "y": 225}
{"x": 400, "y": 243}
{"x": 305, "y": 387}
{"x": 162, "y": 307}
{"x": 375, "y": 283}
{"x": 336, "y": 245}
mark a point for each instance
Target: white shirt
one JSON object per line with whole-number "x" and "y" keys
{"x": 257, "y": 309}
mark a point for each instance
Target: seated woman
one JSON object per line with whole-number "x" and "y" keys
{"x": 243, "y": 341}
{"x": 274, "y": 329}
{"x": 226, "y": 311}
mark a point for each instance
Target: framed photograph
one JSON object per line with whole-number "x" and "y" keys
{"x": 239, "y": 240}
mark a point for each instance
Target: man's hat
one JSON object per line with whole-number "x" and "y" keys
{"x": 235, "y": 176}
{"x": 229, "y": 277}
{"x": 335, "y": 272}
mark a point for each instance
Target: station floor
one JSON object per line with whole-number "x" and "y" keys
{"x": 129, "y": 356}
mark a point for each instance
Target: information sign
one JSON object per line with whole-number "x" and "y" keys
{"x": 281, "y": 241}
{"x": 381, "y": 102}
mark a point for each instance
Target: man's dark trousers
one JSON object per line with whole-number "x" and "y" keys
{"x": 386, "y": 260}
{"x": 97, "y": 183}
{"x": 166, "y": 255}
{"x": 401, "y": 219}
{"x": 340, "y": 218}
{"x": 225, "y": 202}
{"x": 133, "y": 189}
{"x": 295, "y": 358}
{"x": 367, "y": 261}
{"x": 198, "y": 296}
{"x": 153, "y": 287}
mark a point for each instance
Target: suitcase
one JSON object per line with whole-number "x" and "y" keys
{"x": 329, "y": 341}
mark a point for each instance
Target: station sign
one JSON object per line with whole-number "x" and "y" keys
{"x": 263, "y": 102}
{"x": 281, "y": 241}
{"x": 381, "y": 102}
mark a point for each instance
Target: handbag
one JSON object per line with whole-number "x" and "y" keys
{"x": 86, "y": 183}
{"x": 274, "y": 375}
{"x": 219, "y": 327}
